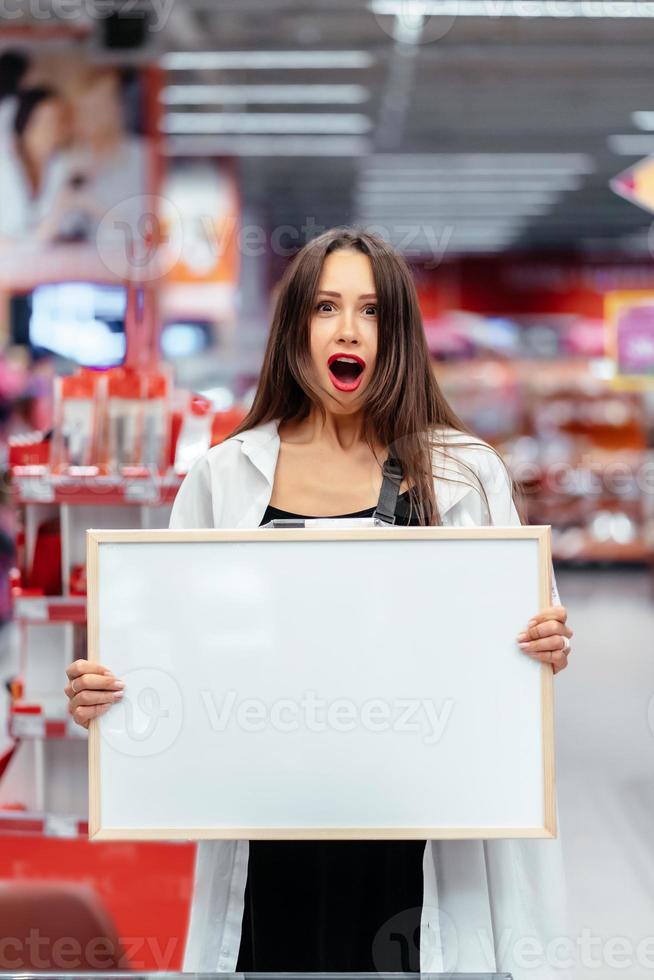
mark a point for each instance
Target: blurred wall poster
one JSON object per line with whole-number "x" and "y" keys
{"x": 77, "y": 160}
{"x": 200, "y": 224}
{"x": 630, "y": 337}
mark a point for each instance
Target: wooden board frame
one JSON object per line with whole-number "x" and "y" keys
{"x": 540, "y": 533}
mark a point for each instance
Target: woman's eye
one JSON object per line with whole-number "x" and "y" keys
{"x": 323, "y": 303}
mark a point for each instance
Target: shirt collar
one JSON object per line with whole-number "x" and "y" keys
{"x": 261, "y": 445}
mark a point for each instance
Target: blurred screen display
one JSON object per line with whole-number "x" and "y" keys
{"x": 184, "y": 339}
{"x": 83, "y": 322}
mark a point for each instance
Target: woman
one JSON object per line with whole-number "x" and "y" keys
{"x": 32, "y": 168}
{"x": 108, "y": 164}
{"x": 346, "y": 375}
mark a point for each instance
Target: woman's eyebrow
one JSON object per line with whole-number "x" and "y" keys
{"x": 328, "y": 292}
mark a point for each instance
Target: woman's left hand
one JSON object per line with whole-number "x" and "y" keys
{"x": 547, "y": 638}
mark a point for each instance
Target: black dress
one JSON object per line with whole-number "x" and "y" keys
{"x": 333, "y": 906}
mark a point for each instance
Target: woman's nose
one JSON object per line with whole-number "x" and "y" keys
{"x": 347, "y": 329}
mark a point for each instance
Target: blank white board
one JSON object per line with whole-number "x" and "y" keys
{"x": 321, "y": 683}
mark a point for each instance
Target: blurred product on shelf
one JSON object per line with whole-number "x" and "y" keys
{"x": 16, "y": 404}
{"x": 225, "y": 422}
{"x": 577, "y": 448}
{"x": 123, "y": 442}
{"x": 77, "y": 422}
{"x": 44, "y": 576}
{"x": 111, "y": 421}
{"x": 155, "y": 423}
{"x": 30, "y": 449}
{"x": 7, "y": 559}
{"x": 77, "y": 580}
{"x": 122, "y": 423}
{"x": 195, "y": 432}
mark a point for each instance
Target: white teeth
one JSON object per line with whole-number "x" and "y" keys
{"x": 348, "y": 360}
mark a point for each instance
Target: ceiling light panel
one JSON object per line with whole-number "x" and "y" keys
{"x": 264, "y": 94}
{"x": 264, "y": 60}
{"x": 272, "y": 122}
{"x": 525, "y": 9}
{"x": 267, "y": 146}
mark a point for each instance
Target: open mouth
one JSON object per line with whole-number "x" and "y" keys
{"x": 345, "y": 371}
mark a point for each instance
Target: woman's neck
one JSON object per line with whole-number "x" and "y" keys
{"x": 336, "y": 431}
{"x": 103, "y": 146}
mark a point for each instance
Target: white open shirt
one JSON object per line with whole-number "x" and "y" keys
{"x": 481, "y": 898}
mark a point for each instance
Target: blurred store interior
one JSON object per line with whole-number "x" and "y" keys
{"x": 157, "y": 172}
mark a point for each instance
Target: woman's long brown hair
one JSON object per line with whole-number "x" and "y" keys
{"x": 404, "y": 407}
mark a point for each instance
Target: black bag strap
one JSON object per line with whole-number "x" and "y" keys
{"x": 390, "y": 489}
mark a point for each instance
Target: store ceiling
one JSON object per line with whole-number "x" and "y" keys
{"x": 474, "y": 133}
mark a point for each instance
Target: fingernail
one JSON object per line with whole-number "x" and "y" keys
{"x": 119, "y": 683}
{"x": 532, "y": 622}
{"x": 522, "y": 636}
{"x": 523, "y": 645}
{"x": 118, "y": 694}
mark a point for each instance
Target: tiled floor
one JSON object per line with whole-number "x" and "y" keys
{"x": 605, "y": 743}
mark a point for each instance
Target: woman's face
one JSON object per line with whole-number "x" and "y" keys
{"x": 344, "y": 330}
{"x": 98, "y": 112}
{"x": 47, "y": 128}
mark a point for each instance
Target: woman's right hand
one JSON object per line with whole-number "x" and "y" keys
{"x": 91, "y": 690}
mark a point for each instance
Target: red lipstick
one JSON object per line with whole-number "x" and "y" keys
{"x": 346, "y": 371}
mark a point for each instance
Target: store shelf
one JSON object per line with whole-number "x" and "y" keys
{"x": 37, "y": 485}
{"x": 31, "y": 721}
{"x": 43, "y": 789}
{"x": 45, "y": 824}
{"x": 627, "y": 463}
{"x": 50, "y": 609}
{"x": 606, "y": 551}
